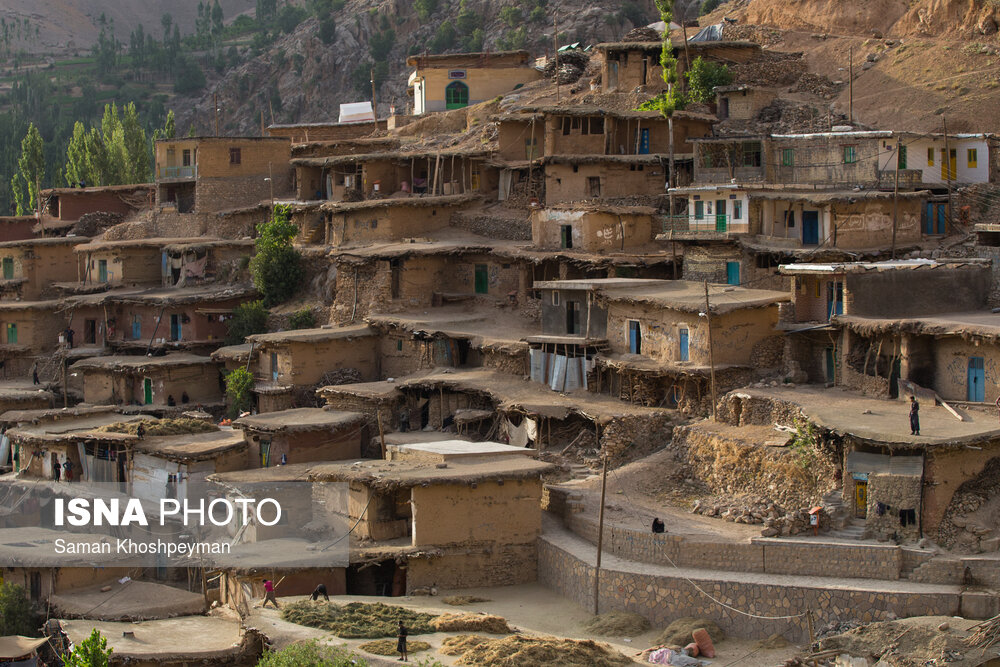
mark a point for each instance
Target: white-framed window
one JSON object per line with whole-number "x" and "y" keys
{"x": 555, "y": 298}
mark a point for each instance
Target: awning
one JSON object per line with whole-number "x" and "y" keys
{"x": 882, "y": 463}
{"x": 16, "y": 646}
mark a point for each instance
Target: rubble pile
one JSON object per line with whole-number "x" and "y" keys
{"x": 642, "y": 34}
{"x": 770, "y": 69}
{"x": 970, "y": 523}
{"x": 92, "y": 224}
{"x": 572, "y": 65}
{"x": 818, "y": 85}
{"x": 632, "y": 437}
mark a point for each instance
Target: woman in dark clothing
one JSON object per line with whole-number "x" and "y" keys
{"x": 914, "y": 416}
{"x": 401, "y": 641}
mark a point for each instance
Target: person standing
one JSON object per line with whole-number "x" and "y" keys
{"x": 914, "y": 416}
{"x": 269, "y": 594}
{"x": 401, "y": 641}
{"x": 34, "y": 373}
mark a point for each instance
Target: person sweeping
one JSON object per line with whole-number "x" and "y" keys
{"x": 269, "y": 594}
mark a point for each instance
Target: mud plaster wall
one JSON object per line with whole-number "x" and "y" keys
{"x": 43, "y": 265}
{"x": 125, "y": 265}
{"x": 895, "y": 492}
{"x": 399, "y": 354}
{"x": 951, "y": 368}
{"x": 744, "y": 104}
{"x": 499, "y": 512}
{"x": 708, "y": 262}
{"x": 590, "y": 230}
{"x": 38, "y": 329}
{"x": 515, "y": 140}
{"x": 944, "y": 471}
{"x": 201, "y": 383}
{"x": 306, "y": 363}
{"x": 564, "y": 184}
{"x": 820, "y": 161}
{"x": 386, "y": 224}
{"x": 327, "y": 444}
{"x": 810, "y": 296}
{"x": 868, "y": 224}
{"x": 917, "y": 293}
{"x": 477, "y": 566}
{"x": 738, "y": 409}
{"x": 736, "y": 335}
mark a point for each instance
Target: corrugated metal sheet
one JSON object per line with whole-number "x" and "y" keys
{"x": 882, "y": 463}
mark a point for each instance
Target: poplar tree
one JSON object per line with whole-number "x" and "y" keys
{"x": 673, "y": 99}
{"x": 31, "y": 168}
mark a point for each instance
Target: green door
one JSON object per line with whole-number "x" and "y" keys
{"x": 456, "y": 95}
{"x": 8, "y": 268}
{"x": 720, "y": 215}
{"x": 102, "y": 270}
{"x": 482, "y": 279}
{"x": 147, "y": 391}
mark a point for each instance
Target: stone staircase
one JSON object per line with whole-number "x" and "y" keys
{"x": 579, "y": 471}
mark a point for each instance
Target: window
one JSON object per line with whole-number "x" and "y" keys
{"x": 456, "y": 95}
{"x": 186, "y": 157}
{"x": 972, "y": 156}
{"x": 901, "y": 158}
{"x": 751, "y": 154}
{"x": 597, "y": 125}
{"x": 565, "y": 125}
{"x": 817, "y": 289}
{"x": 594, "y": 186}
{"x": 699, "y": 210}
{"x": 555, "y": 298}
{"x": 706, "y": 160}
{"x": 930, "y": 157}
{"x": 787, "y": 157}
{"x": 566, "y": 236}
{"x": 850, "y": 154}
{"x": 737, "y": 210}
{"x": 399, "y": 345}
{"x": 8, "y": 268}
{"x": 235, "y": 156}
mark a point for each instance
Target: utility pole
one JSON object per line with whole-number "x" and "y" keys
{"x": 555, "y": 53}
{"x": 270, "y": 179}
{"x": 374, "y": 103}
{"x": 895, "y": 200}
{"x": 600, "y": 532}
{"x": 711, "y": 349}
{"x": 947, "y": 166}
{"x": 850, "y": 77}
{"x": 215, "y": 102}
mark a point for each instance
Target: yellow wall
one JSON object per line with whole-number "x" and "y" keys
{"x": 484, "y": 83}
{"x": 456, "y": 513}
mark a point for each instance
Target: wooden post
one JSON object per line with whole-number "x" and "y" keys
{"x": 441, "y": 409}
{"x": 948, "y": 172}
{"x": 381, "y": 432}
{"x": 263, "y": 132}
{"x": 65, "y": 383}
{"x": 895, "y": 203}
{"x": 711, "y": 350}
{"x": 555, "y": 53}
{"x": 850, "y": 95}
{"x": 670, "y": 174}
{"x": 600, "y": 535}
{"x": 809, "y": 624}
{"x": 374, "y": 103}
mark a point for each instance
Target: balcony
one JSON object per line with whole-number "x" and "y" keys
{"x": 708, "y": 227}
{"x": 176, "y": 173}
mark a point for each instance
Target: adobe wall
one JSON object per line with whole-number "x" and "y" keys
{"x": 255, "y": 155}
{"x": 496, "y": 513}
{"x": 330, "y": 444}
{"x": 16, "y": 228}
{"x": 304, "y": 364}
{"x": 745, "y": 104}
{"x": 399, "y": 354}
{"x": 944, "y": 471}
{"x": 476, "y": 567}
{"x": 917, "y": 292}
{"x": 951, "y": 367}
{"x": 36, "y": 328}
{"x": 131, "y": 266}
{"x": 49, "y": 264}
{"x": 73, "y": 206}
{"x": 563, "y": 184}
{"x": 592, "y": 231}
{"x": 484, "y": 82}
{"x": 664, "y": 598}
{"x": 390, "y": 223}
{"x": 631, "y": 66}
{"x": 868, "y": 223}
{"x": 298, "y": 134}
{"x": 820, "y": 161}
{"x": 513, "y": 140}
{"x": 708, "y": 262}
{"x": 238, "y": 191}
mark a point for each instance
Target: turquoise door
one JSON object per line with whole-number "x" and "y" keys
{"x": 732, "y": 273}
{"x": 634, "y": 337}
{"x": 831, "y": 366}
{"x": 644, "y": 141}
{"x": 102, "y": 270}
{"x": 175, "y": 327}
{"x": 685, "y": 351}
{"x": 977, "y": 380}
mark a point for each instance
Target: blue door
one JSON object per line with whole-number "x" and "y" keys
{"x": 934, "y": 218}
{"x": 136, "y": 327}
{"x": 634, "y": 337}
{"x": 940, "y": 218}
{"x": 977, "y": 380}
{"x": 684, "y": 345}
{"x": 732, "y": 273}
{"x": 810, "y": 228}
{"x": 644, "y": 141}
{"x": 175, "y": 327}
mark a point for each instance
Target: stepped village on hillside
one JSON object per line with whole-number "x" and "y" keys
{"x": 542, "y": 319}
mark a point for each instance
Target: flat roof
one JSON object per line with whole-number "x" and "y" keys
{"x": 165, "y": 243}
{"x": 163, "y": 295}
{"x": 76, "y": 428}
{"x": 460, "y": 448}
{"x": 140, "y": 362}
{"x": 192, "y": 446}
{"x": 239, "y": 353}
{"x": 30, "y": 546}
{"x": 315, "y": 335}
{"x": 186, "y": 639}
{"x": 48, "y": 240}
{"x": 299, "y": 419}
{"x": 887, "y": 265}
{"x": 595, "y": 283}
{"x": 689, "y": 296}
{"x": 97, "y": 189}
{"x": 981, "y": 323}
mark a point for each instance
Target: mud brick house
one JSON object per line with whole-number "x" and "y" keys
{"x": 881, "y": 327}
{"x": 571, "y": 178}
{"x": 290, "y": 364}
{"x": 177, "y": 466}
{"x": 234, "y": 356}
{"x": 31, "y": 327}
{"x": 171, "y": 262}
{"x": 364, "y": 222}
{"x": 379, "y": 175}
{"x": 626, "y": 66}
{"x": 29, "y": 268}
{"x": 212, "y": 174}
{"x": 305, "y": 435}
{"x": 151, "y": 381}
{"x": 63, "y": 207}
{"x": 303, "y": 133}
{"x": 592, "y": 227}
{"x": 457, "y": 80}
{"x": 741, "y": 102}
{"x": 650, "y": 337}
{"x": 22, "y": 395}
{"x": 17, "y": 227}
{"x": 155, "y": 318}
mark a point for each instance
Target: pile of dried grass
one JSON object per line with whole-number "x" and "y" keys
{"x": 388, "y": 647}
{"x": 679, "y": 632}
{"x": 179, "y": 426}
{"x": 517, "y": 651}
{"x": 357, "y": 620}
{"x": 617, "y": 624}
{"x": 459, "y": 600}
{"x": 460, "y": 644}
{"x": 495, "y": 625}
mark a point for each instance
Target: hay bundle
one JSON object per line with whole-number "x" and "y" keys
{"x": 388, "y": 647}
{"x": 459, "y": 600}
{"x": 179, "y": 426}
{"x": 495, "y": 625}
{"x": 617, "y": 624}
{"x": 460, "y": 644}
{"x": 679, "y": 632}
{"x": 357, "y": 620}
{"x": 517, "y": 651}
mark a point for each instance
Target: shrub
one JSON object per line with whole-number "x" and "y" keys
{"x": 239, "y": 384}
{"x": 537, "y": 15}
{"x": 311, "y": 654}
{"x": 92, "y": 652}
{"x": 15, "y": 611}
{"x": 276, "y": 267}
{"x": 248, "y": 319}
{"x": 511, "y": 16}
{"x": 302, "y": 319}
{"x": 190, "y": 78}
{"x": 327, "y": 30}
{"x": 704, "y": 76}
{"x": 425, "y": 8}
{"x": 290, "y": 17}
{"x": 708, "y": 6}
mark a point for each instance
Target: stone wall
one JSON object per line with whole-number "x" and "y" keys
{"x": 893, "y": 493}
{"x": 502, "y": 565}
{"x": 870, "y": 385}
{"x": 663, "y": 598}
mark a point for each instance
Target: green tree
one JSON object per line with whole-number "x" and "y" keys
{"x": 77, "y": 164}
{"x": 425, "y": 8}
{"x": 327, "y": 30}
{"x": 467, "y": 19}
{"x": 92, "y": 652}
{"x": 302, "y": 319}
{"x": 311, "y": 654}
{"x": 189, "y": 78}
{"x": 31, "y": 168}
{"x": 290, "y": 17}
{"x": 239, "y": 385}
{"x": 673, "y": 99}
{"x": 248, "y": 319}
{"x": 704, "y": 76}
{"x": 217, "y": 18}
{"x": 15, "y": 611}
{"x": 708, "y": 6}
{"x": 511, "y": 16}
{"x": 444, "y": 38}
{"x": 277, "y": 266}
